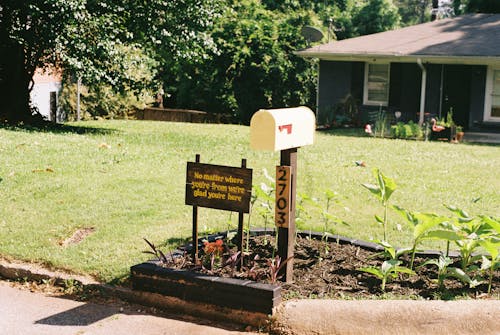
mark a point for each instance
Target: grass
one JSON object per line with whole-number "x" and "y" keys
{"x": 126, "y": 179}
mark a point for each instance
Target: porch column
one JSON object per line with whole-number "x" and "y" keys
{"x": 422, "y": 91}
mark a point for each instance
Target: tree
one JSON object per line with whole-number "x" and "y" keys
{"x": 254, "y": 66}
{"x": 377, "y": 16}
{"x": 483, "y": 6}
{"x": 84, "y": 37}
{"x": 476, "y": 6}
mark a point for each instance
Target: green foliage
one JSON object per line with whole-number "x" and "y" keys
{"x": 483, "y": 6}
{"x": 382, "y": 190}
{"x": 377, "y": 16}
{"x": 423, "y": 226}
{"x": 254, "y": 66}
{"x": 491, "y": 264}
{"x": 444, "y": 271}
{"x": 407, "y": 130}
{"x": 86, "y": 37}
{"x": 389, "y": 269}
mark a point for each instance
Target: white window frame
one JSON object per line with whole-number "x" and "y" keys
{"x": 365, "y": 89}
{"x": 488, "y": 99}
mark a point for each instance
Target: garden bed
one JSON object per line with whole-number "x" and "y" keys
{"x": 322, "y": 269}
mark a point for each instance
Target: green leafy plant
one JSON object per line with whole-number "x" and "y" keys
{"x": 424, "y": 227}
{"x": 471, "y": 232}
{"x": 302, "y": 213}
{"x": 444, "y": 271}
{"x": 388, "y": 270}
{"x": 265, "y": 210}
{"x": 391, "y": 252}
{"x": 382, "y": 190}
{"x": 492, "y": 247}
{"x": 327, "y": 217}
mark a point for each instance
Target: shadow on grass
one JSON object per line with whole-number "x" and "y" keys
{"x": 58, "y": 128}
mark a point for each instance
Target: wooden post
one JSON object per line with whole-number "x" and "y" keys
{"x": 286, "y": 235}
{"x": 240, "y": 226}
{"x": 194, "y": 252}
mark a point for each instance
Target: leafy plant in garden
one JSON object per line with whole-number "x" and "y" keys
{"x": 232, "y": 260}
{"x": 264, "y": 194}
{"x": 302, "y": 213}
{"x": 391, "y": 252}
{"x": 492, "y": 247}
{"x": 156, "y": 252}
{"x": 389, "y": 269}
{"x": 471, "y": 232}
{"x": 326, "y": 217}
{"x": 444, "y": 271}
{"x": 382, "y": 190}
{"x": 275, "y": 265}
{"x": 424, "y": 227}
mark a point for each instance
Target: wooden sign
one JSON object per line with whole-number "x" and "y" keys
{"x": 221, "y": 187}
{"x": 282, "y": 205}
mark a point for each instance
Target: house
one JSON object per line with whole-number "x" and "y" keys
{"x": 415, "y": 72}
{"x": 45, "y": 93}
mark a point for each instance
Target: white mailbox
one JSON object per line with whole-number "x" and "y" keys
{"x": 281, "y": 129}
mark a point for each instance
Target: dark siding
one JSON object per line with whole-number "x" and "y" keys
{"x": 404, "y": 92}
{"x": 334, "y": 86}
{"x": 358, "y": 80}
{"x": 433, "y": 89}
{"x": 456, "y": 92}
{"x": 477, "y": 95}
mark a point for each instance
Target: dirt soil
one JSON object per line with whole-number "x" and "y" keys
{"x": 326, "y": 269}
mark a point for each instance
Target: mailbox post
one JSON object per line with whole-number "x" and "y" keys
{"x": 285, "y": 130}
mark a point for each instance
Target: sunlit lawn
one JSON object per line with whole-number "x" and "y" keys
{"x": 126, "y": 179}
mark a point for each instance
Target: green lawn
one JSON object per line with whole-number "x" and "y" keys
{"x": 126, "y": 180}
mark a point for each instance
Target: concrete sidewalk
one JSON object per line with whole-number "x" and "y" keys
{"x": 23, "y": 312}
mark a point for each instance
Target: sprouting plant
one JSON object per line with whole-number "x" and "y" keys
{"x": 72, "y": 286}
{"x": 156, "y": 252}
{"x": 264, "y": 194}
{"x": 253, "y": 199}
{"x": 275, "y": 265}
{"x": 492, "y": 246}
{"x": 471, "y": 231}
{"x": 444, "y": 271}
{"x": 232, "y": 260}
{"x": 326, "y": 217}
{"x": 390, "y": 252}
{"x": 302, "y": 214}
{"x": 389, "y": 269}
{"x": 383, "y": 191}
{"x": 424, "y": 228}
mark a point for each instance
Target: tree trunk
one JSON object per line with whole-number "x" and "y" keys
{"x": 14, "y": 85}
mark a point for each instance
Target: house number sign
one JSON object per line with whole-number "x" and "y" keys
{"x": 282, "y": 205}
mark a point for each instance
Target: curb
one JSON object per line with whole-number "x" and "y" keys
{"x": 15, "y": 270}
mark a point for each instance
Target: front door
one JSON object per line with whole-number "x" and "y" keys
{"x": 456, "y": 93}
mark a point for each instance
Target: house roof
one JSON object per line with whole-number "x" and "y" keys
{"x": 472, "y": 38}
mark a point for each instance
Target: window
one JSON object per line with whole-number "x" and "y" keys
{"x": 376, "y": 91}
{"x": 492, "y": 112}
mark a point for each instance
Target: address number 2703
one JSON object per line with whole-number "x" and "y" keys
{"x": 282, "y": 205}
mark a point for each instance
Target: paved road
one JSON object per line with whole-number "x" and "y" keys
{"x": 24, "y": 312}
